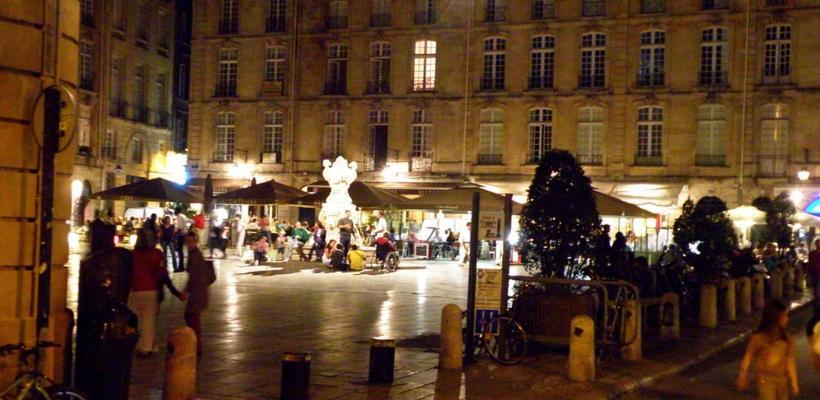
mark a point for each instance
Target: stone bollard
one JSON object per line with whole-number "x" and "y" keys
{"x": 788, "y": 282}
{"x": 582, "y": 349}
{"x": 382, "y": 360}
{"x": 758, "y": 291}
{"x": 708, "y": 306}
{"x": 729, "y": 306}
{"x": 295, "y": 376}
{"x": 744, "y": 295}
{"x": 776, "y": 285}
{"x": 180, "y": 365}
{"x": 669, "y": 317}
{"x": 450, "y": 355}
{"x": 632, "y": 331}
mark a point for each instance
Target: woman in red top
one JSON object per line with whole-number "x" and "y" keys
{"x": 146, "y": 291}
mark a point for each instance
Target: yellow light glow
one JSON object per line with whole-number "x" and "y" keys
{"x": 76, "y": 189}
{"x": 796, "y": 196}
{"x": 241, "y": 170}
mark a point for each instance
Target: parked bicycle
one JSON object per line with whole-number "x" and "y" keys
{"x": 502, "y": 338}
{"x": 31, "y": 384}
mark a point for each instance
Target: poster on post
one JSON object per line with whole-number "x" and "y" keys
{"x": 490, "y": 226}
{"x": 487, "y": 298}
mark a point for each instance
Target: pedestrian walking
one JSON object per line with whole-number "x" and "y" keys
{"x": 183, "y": 224}
{"x": 151, "y": 230}
{"x": 167, "y": 238}
{"x": 201, "y": 274}
{"x": 464, "y": 249}
{"x": 241, "y": 224}
{"x": 772, "y": 352}
{"x": 149, "y": 276}
{"x": 102, "y": 233}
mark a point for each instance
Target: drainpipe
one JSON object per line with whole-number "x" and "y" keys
{"x": 744, "y": 106}
{"x": 466, "y": 88}
{"x": 293, "y": 71}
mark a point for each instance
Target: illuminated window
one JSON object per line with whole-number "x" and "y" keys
{"x": 225, "y": 137}
{"x": 540, "y": 128}
{"x": 590, "y": 135}
{"x": 650, "y": 136}
{"x": 424, "y": 65}
{"x": 273, "y": 135}
{"x": 491, "y": 136}
{"x": 773, "y": 149}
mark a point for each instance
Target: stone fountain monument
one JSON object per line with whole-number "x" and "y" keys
{"x": 339, "y": 175}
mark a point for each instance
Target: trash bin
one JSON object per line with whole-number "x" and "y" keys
{"x": 109, "y": 375}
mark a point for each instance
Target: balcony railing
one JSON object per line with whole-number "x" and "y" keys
{"x": 710, "y": 160}
{"x": 592, "y": 81}
{"x": 781, "y": 79}
{"x": 490, "y": 159}
{"x": 714, "y": 78}
{"x": 533, "y": 159}
{"x": 223, "y": 157}
{"x": 228, "y": 26}
{"x": 492, "y": 84}
{"x": 540, "y": 82}
{"x": 715, "y": 4}
{"x": 776, "y": 3}
{"x": 330, "y": 155}
{"x": 335, "y": 88}
{"x": 421, "y": 162}
{"x": 425, "y": 17}
{"x": 495, "y": 14}
{"x": 590, "y": 159}
{"x": 336, "y": 22}
{"x": 423, "y": 85}
{"x": 648, "y": 161}
{"x": 273, "y": 88}
{"x": 141, "y": 114}
{"x": 119, "y": 108}
{"x": 653, "y": 6}
{"x": 275, "y": 24}
{"x": 161, "y": 119}
{"x": 593, "y": 8}
{"x": 378, "y": 87}
{"x": 109, "y": 153}
{"x": 225, "y": 90}
{"x": 651, "y": 79}
{"x": 87, "y": 20}
{"x": 87, "y": 83}
{"x": 380, "y": 20}
{"x": 543, "y": 11}
{"x": 772, "y": 166}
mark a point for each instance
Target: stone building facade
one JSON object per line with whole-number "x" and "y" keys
{"x": 660, "y": 100}
{"x": 126, "y": 75}
{"x": 34, "y": 57}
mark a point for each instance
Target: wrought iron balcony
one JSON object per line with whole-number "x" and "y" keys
{"x": 421, "y": 162}
{"x": 336, "y": 22}
{"x": 425, "y": 17}
{"x": 380, "y": 20}
{"x": 776, "y": 3}
{"x": 715, "y": 4}
{"x": 223, "y": 157}
{"x": 273, "y": 88}
{"x": 492, "y": 84}
{"x": 710, "y": 160}
{"x": 228, "y": 26}
{"x": 490, "y": 159}
{"x": 225, "y": 90}
{"x": 772, "y": 165}
{"x": 276, "y": 24}
{"x": 423, "y": 85}
{"x": 648, "y": 161}
{"x": 495, "y": 14}
{"x": 540, "y": 82}
{"x": 591, "y": 81}
{"x": 783, "y": 78}
{"x": 714, "y": 78}
{"x": 378, "y": 87}
{"x": 590, "y": 159}
{"x": 335, "y": 88}
{"x": 542, "y": 11}
{"x": 651, "y": 79}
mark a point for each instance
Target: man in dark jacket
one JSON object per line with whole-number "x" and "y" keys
{"x": 200, "y": 276}
{"x": 102, "y": 234}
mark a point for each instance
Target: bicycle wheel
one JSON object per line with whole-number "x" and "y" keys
{"x": 392, "y": 262}
{"x": 65, "y": 393}
{"x": 508, "y": 345}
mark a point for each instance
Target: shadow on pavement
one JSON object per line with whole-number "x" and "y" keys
{"x": 282, "y": 268}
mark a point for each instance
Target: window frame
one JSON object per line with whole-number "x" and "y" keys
{"x": 540, "y": 133}
{"x": 494, "y": 63}
{"x": 592, "y": 67}
{"x": 591, "y": 125}
{"x": 652, "y": 58}
{"x": 651, "y": 125}
{"x": 424, "y": 65}
{"x": 273, "y": 134}
{"x": 225, "y": 137}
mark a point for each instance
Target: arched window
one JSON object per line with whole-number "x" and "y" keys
{"x": 590, "y": 136}
{"x": 542, "y": 62}
{"x": 593, "y": 60}
{"x": 650, "y": 136}
{"x": 652, "y": 59}
{"x": 424, "y": 65}
{"x": 495, "y": 60}
{"x": 273, "y": 136}
{"x": 225, "y": 139}
{"x": 711, "y": 141}
{"x": 773, "y": 150}
{"x": 540, "y": 129}
{"x": 713, "y": 44}
{"x": 491, "y": 136}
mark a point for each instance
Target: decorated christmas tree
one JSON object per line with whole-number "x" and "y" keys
{"x": 560, "y": 220}
{"x": 707, "y": 237}
{"x": 779, "y": 212}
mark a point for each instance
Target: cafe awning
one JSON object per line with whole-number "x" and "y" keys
{"x": 460, "y": 199}
{"x": 270, "y": 192}
{"x": 364, "y": 195}
{"x": 157, "y": 189}
{"x": 612, "y": 206}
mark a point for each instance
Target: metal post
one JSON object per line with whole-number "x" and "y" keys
{"x": 51, "y": 143}
{"x": 382, "y": 360}
{"x": 471, "y": 282}
{"x": 295, "y": 376}
{"x": 505, "y": 258}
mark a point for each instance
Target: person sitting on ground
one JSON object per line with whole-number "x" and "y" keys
{"x": 338, "y": 259}
{"x": 260, "y": 250}
{"x": 356, "y": 258}
{"x": 384, "y": 246}
{"x": 328, "y": 252}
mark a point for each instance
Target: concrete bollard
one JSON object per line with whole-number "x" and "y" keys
{"x": 788, "y": 282}
{"x": 758, "y": 291}
{"x": 382, "y": 360}
{"x": 632, "y": 331}
{"x": 180, "y": 365}
{"x": 729, "y": 306}
{"x": 295, "y": 376}
{"x": 450, "y": 355}
{"x": 669, "y": 317}
{"x": 744, "y": 295}
{"x": 582, "y": 349}
{"x": 776, "y": 285}
{"x": 708, "y": 306}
